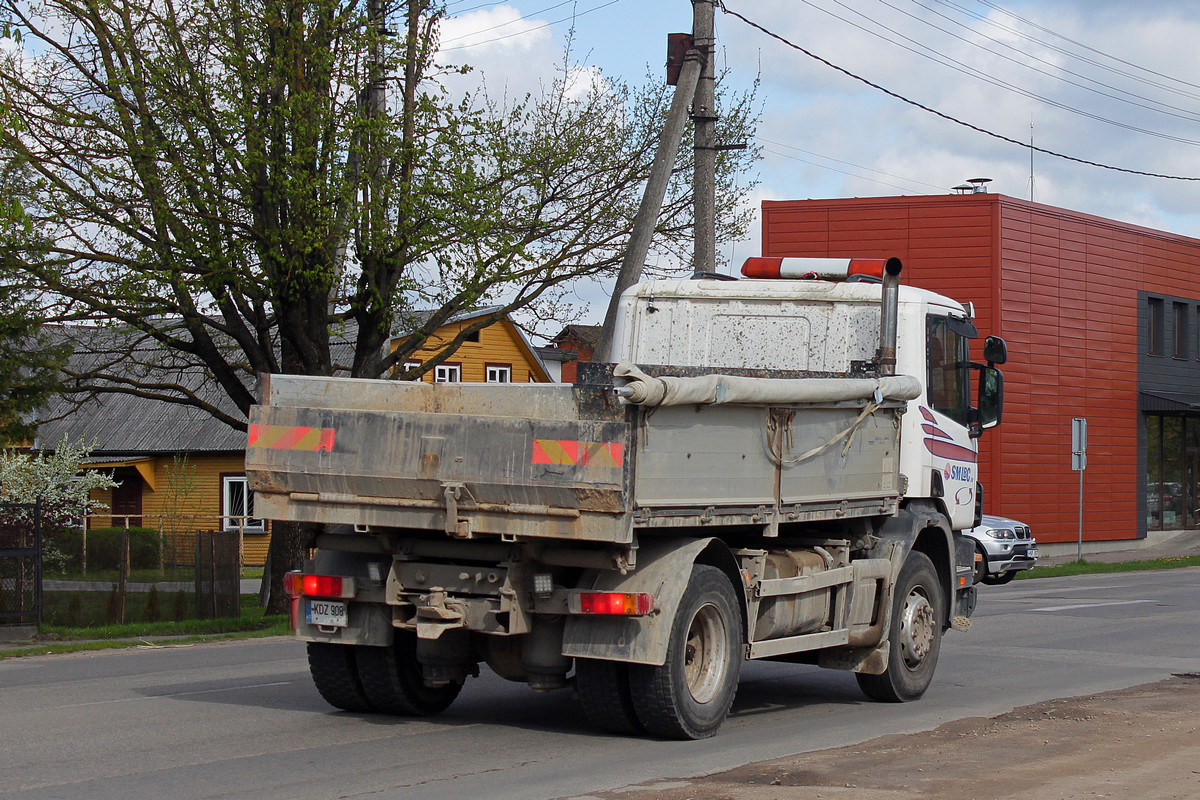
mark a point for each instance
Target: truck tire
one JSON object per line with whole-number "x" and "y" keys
{"x": 335, "y": 673}
{"x": 689, "y": 696}
{"x": 391, "y": 679}
{"x": 918, "y": 609}
{"x": 604, "y": 693}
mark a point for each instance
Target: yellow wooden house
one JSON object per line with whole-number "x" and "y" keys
{"x": 179, "y": 470}
{"x": 499, "y": 353}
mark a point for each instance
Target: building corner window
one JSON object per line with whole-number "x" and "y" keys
{"x": 1155, "y": 326}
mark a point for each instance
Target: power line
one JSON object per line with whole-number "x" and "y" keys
{"x": 840, "y": 161}
{"x": 1086, "y": 47}
{"x": 938, "y": 58}
{"x": 942, "y": 115}
{"x": 1148, "y": 104}
{"x": 1062, "y": 51}
{"x": 574, "y": 16}
{"x": 521, "y": 18}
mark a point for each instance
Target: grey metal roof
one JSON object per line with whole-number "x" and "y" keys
{"x": 115, "y": 424}
{"x": 125, "y": 425}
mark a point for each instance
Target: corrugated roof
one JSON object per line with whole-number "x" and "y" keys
{"x": 121, "y": 425}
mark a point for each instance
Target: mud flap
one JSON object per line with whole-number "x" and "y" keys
{"x": 664, "y": 568}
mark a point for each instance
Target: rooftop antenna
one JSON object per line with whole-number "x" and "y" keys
{"x": 1031, "y": 151}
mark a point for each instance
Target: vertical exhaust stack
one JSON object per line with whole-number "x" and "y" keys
{"x": 889, "y": 311}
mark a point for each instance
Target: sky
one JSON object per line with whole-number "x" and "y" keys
{"x": 1107, "y": 81}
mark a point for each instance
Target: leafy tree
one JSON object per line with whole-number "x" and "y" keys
{"x": 54, "y": 479}
{"x": 258, "y": 186}
{"x": 30, "y": 360}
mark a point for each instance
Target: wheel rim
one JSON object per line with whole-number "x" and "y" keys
{"x": 917, "y": 624}
{"x": 705, "y": 654}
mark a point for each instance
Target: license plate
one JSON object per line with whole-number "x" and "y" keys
{"x": 1033, "y": 553}
{"x": 326, "y": 613}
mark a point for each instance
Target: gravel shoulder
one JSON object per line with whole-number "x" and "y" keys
{"x": 1140, "y": 743}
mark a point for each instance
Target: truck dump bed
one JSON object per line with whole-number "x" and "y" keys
{"x": 572, "y": 462}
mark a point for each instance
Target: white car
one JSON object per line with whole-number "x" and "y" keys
{"x": 1003, "y": 548}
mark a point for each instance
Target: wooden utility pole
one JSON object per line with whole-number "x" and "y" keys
{"x": 704, "y": 116}
{"x": 696, "y": 64}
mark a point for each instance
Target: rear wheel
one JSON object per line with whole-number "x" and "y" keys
{"x": 335, "y": 673}
{"x": 391, "y": 679}
{"x": 689, "y": 696}
{"x": 916, "y": 634}
{"x": 603, "y": 688}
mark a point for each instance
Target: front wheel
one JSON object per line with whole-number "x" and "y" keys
{"x": 1001, "y": 579}
{"x": 689, "y": 696}
{"x": 916, "y": 634}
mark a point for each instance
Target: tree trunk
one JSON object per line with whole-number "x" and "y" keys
{"x": 285, "y": 553}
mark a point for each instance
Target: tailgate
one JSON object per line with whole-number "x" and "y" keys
{"x": 509, "y": 459}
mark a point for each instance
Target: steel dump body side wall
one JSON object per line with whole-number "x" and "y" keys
{"x": 558, "y": 462}
{"x": 720, "y": 455}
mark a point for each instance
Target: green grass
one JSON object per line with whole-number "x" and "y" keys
{"x": 123, "y": 636}
{"x": 1086, "y": 567}
{"x": 185, "y": 574}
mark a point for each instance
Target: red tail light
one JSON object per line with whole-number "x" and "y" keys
{"x": 632, "y": 604}
{"x": 297, "y": 583}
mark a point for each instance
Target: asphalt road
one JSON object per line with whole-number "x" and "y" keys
{"x": 243, "y": 720}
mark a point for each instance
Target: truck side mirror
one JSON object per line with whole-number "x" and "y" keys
{"x": 995, "y": 350}
{"x": 991, "y": 396}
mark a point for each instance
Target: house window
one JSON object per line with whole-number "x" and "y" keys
{"x": 499, "y": 373}
{"x": 1155, "y": 327}
{"x": 1180, "y": 314}
{"x": 447, "y": 373}
{"x": 237, "y": 505}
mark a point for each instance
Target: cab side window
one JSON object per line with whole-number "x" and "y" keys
{"x": 949, "y": 381}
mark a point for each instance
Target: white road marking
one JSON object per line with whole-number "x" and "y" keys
{"x": 1093, "y": 605}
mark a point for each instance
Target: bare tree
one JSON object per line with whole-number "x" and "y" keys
{"x": 259, "y": 186}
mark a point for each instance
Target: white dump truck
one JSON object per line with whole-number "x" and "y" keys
{"x": 771, "y": 468}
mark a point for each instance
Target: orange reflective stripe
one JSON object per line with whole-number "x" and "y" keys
{"x": 292, "y": 437}
{"x": 570, "y": 452}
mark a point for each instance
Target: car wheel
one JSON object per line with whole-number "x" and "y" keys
{"x": 981, "y": 564}
{"x": 689, "y": 696}
{"x": 916, "y": 634}
{"x": 1001, "y": 579}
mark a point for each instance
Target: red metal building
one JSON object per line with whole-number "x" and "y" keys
{"x": 1102, "y": 320}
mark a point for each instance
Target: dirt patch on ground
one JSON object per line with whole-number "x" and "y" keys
{"x": 1140, "y": 743}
